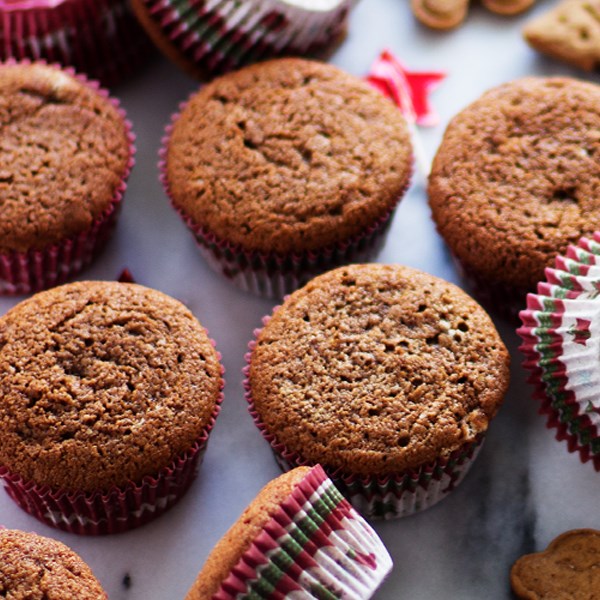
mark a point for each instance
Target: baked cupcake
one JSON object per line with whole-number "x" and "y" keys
{"x": 561, "y": 342}
{"x": 32, "y": 566}
{"x": 108, "y": 393}
{"x": 66, "y": 151}
{"x": 101, "y": 38}
{"x": 298, "y": 538}
{"x": 210, "y": 37}
{"x": 386, "y": 376}
{"x": 515, "y": 180}
{"x": 285, "y": 169}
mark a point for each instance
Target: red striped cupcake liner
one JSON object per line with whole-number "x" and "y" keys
{"x": 121, "y": 508}
{"x": 221, "y": 35}
{"x": 560, "y": 334}
{"x": 380, "y": 497}
{"x": 272, "y": 275}
{"x": 315, "y": 545}
{"x": 39, "y": 269}
{"x": 101, "y": 38}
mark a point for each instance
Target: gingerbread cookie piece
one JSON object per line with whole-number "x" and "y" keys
{"x": 507, "y": 7}
{"x": 568, "y": 568}
{"x": 570, "y": 32}
{"x": 440, "y": 14}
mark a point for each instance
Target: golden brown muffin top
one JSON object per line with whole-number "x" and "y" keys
{"x": 374, "y": 369}
{"x": 102, "y": 383}
{"x": 288, "y": 155}
{"x": 63, "y": 153}
{"x": 517, "y": 178}
{"x": 567, "y": 570}
{"x": 33, "y": 567}
{"x": 230, "y": 548}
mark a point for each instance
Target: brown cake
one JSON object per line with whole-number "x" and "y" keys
{"x": 65, "y": 153}
{"x": 516, "y": 179}
{"x": 34, "y": 567}
{"x": 102, "y": 385}
{"x": 375, "y": 371}
{"x": 289, "y": 165}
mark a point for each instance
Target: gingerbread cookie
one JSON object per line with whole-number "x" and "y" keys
{"x": 568, "y": 568}
{"x": 569, "y": 32}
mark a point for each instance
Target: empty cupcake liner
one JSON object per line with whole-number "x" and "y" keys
{"x": 314, "y": 546}
{"x": 39, "y": 269}
{"x": 272, "y": 275}
{"x": 99, "y": 37}
{"x": 380, "y": 497}
{"x": 220, "y": 35}
{"x": 561, "y": 343}
{"x": 120, "y": 508}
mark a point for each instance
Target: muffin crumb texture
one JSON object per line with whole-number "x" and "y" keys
{"x": 33, "y": 567}
{"x": 374, "y": 369}
{"x": 102, "y": 383}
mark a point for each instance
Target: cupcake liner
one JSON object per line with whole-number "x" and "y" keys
{"x": 315, "y": 545}
{"x": 121, "y": 508}
{"x": 561, "y": 343}
{"x": 220, "y": 35}
{"x": 272, "y": 275}
{"x": 99, "y": 37}
{"x": 38, "y": 269}
{"x": 381, "y": 497}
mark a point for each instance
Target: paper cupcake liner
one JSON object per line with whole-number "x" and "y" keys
{"x": 380, "y": 497}
{"x": 38, "y": 269}
{"x": 99, "y": 37}
{"x": 560, "y": 333}
{"x": 274, "y": 275}
{"x": 121, "y": 508}
{"x": 315, "y": 545}
{"x": 220, "y": 35}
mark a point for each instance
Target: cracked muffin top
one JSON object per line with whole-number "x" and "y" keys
{"x": 64, "y": 151}
{"x": 375, "y": 369}
{"x": 288, "y": 156}
{"x": 102, "y": 383}
{"x": 33, "y": 567}
{"x": 517, "y": 178}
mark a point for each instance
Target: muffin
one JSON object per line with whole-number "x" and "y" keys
{"x": 561, "y": 342}
{"x": 66, "y": 151}
{"x": 286, "y": 168}
{"x": 32, "y": 566}
{"x": 208, "y": 38}
{"x": 568, "y": 568}
{"x": 515, "y": 180}
{"x": 386, "y": 376}
{"x": 101, "y": 38}
{"x": 108, "y": 392}
{"x": 298, "y": 537}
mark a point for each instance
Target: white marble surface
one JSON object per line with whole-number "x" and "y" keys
{"x": 524, "y": 489}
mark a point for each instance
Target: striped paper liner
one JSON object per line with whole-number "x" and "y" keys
{"x": 561, "y": 343}
{"x": 314, "y": 546}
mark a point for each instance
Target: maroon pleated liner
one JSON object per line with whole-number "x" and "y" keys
{"x": 273, "y": 275}
{"x": 380, "y": 497}
{"x": 101, "y": 38}
{"x": 35, "y": 270}
{"x": 121, "y": 508}
{"x": 222, "y": 35}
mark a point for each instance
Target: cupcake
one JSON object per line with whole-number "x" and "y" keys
{"x": 386, "y": 376}
{"x": 299, "y": 538}
{"x": 515, "y": 180}
{"x": 32, "y": 566}
{"x": 285, "y": 169}
{"x": 66, "y": 151}
{"x": 211, "y": 37}
{"x": 101, "y": 38}
{"x": 108, "y": 392}
{"x": 561, "y": 342}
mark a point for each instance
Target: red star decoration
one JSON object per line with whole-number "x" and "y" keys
{"x": 581, "y": 331}
{"x": 409, "y": 90}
